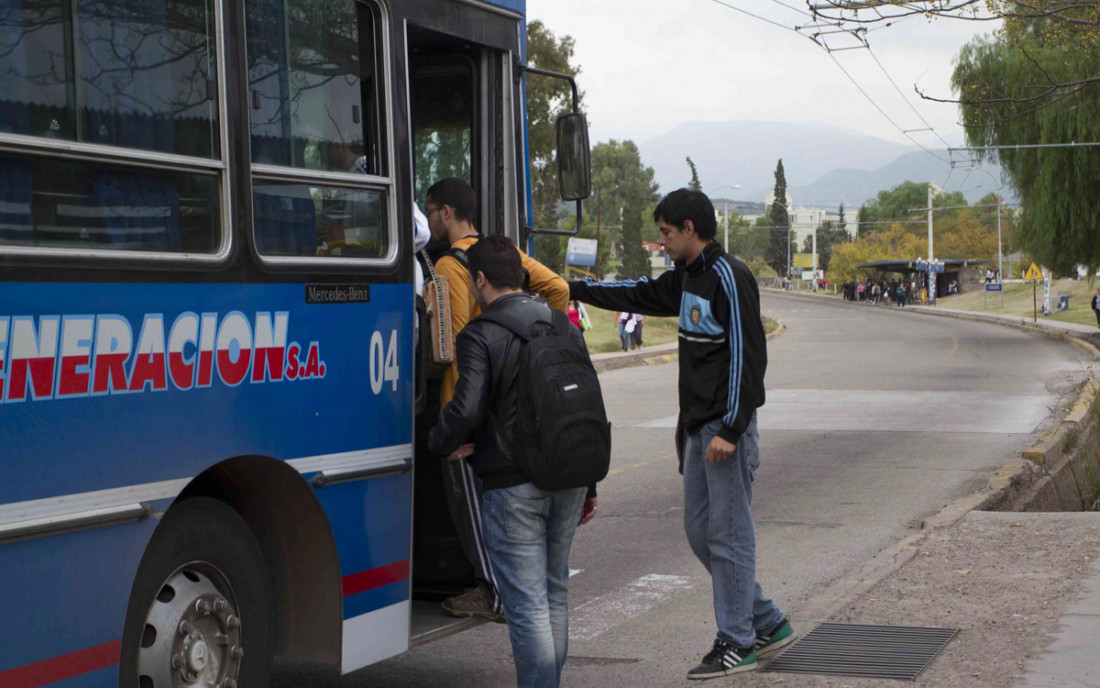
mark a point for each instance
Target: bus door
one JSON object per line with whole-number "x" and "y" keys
{"x": 462, "y": 122}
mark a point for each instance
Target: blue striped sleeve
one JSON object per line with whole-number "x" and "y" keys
{"x": 729, "y": 286}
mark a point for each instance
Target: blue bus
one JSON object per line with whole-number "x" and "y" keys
{"x": 209, "y": 385}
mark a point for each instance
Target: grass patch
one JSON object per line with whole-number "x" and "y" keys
{"x": 604, "y": 336}
{"x": 1069, "y": 442}
{"x": 1017, "y": 298}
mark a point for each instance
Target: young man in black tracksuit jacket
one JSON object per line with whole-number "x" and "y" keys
{"x": 723, "y": 355}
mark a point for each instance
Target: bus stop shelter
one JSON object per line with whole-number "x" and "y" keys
{"x": 906, "y": 268}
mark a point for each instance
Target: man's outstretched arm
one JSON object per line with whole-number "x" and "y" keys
{"x": 659, "y": 296}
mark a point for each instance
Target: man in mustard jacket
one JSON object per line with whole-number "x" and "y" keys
{"x": 451, "y": 206}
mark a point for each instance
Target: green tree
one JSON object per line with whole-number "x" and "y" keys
{"x": 842, "y": 224}
{"x": 622, "y": 188}
{"x": 635, "y": 257}
{"x": 828, "y": 236}
{"x": 742, "y": 237}
{"x": 546, "y": 100}
{"x": 694, "y": 184}
{"x": 778, "y": 248}
{"x": 896, "y": 203}
{"x": 863, "y": 220}
{"x": 995, "y": 79}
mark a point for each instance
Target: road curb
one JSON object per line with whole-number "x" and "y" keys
{"x": 654, "y": 355}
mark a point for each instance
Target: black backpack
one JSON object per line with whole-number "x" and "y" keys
{"x": 561, "y": 438}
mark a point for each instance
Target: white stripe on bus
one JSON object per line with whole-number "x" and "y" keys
{"x": 169, "y": 489}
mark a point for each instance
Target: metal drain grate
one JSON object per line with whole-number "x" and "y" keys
{"x": 831, "y": 649}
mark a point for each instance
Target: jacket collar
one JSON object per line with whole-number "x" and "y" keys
{"x": 503, "y": 301}
{"x": 706, "y": 258}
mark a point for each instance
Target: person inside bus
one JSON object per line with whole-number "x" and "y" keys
{"x": 451, "y": 206}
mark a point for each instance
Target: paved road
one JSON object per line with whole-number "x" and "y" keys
{"x": 874, "y": 420}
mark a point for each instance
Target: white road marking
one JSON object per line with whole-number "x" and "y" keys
{"x": 573, "y": 572}
{"x": 895, "y": 411}
{"x": 609, "y": 611}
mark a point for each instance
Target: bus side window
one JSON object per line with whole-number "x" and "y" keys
{"x": 314, "y": 101}
{"x": 130, "y": 75}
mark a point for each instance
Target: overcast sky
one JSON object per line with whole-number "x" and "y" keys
{"x": 648, "y": 65}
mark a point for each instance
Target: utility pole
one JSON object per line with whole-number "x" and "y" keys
{"x": 726, "y": 244}
{"x": 814, "y": 235}
{"x": 1000, "y": 253}
{"x": 788, "y": 244}
{"x": 597, "y": 266}
{"x": 813, "y": 240}
{"x": 931, "y": 274}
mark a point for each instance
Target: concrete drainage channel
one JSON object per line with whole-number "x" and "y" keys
{"x": 1061, "y": 472}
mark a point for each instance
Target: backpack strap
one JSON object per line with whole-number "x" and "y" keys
{"x": 459, "y": 255}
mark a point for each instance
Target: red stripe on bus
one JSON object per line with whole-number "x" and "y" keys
{"x": 62, "y": 667}
{"x": 375, "y": 578}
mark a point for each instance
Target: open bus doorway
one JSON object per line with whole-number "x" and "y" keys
{"x": 445, "y": 102}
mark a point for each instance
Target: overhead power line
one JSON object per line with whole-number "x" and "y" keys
{"x": 908, "y": 133}
{"x": 883, "y": 112}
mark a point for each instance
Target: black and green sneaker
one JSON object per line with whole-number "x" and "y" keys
{"x": 724, "y": 659}
{"x": 779, "y": 636}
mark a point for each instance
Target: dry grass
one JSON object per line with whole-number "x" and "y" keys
{"x": 1017, "y": 300}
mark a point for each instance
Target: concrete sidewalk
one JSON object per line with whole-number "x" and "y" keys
{"x": 1044, "y": 322}
{"x": 1022, "y": 588}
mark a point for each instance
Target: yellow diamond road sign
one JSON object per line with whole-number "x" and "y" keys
{"x": 1033, "y": 273}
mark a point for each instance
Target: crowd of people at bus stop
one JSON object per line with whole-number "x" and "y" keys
{"x": 517, "y": 517}
{"x": 882, "y": 291}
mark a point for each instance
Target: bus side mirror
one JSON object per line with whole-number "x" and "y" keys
{"x": 574, "y": 157}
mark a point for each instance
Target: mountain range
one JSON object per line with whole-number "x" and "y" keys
{"x": 823, "y": 164}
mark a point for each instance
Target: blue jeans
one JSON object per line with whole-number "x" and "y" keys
{"x": 528, "y": 533}
{"x": 623, "y": 335}
{"x": 719, "y": 527}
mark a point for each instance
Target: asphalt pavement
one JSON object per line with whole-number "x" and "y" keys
{"x": 875, "y": 419}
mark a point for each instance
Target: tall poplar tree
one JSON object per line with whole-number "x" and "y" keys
{"x": 694, "y": 184}
{"x": 777, "y": 252}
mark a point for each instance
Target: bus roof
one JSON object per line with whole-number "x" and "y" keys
{"x": 514, "y": 5}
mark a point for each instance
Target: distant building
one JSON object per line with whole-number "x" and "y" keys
{"x": 804, "y": 221}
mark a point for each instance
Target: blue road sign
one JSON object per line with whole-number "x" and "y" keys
{"x": 993, "y": 286}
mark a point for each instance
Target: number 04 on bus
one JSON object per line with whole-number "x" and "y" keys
{"x": 212, "y": 402}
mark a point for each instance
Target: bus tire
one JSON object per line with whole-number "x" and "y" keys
{"x": 200, "y": 611}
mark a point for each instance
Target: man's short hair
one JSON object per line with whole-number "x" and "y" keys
{"x": 497, "y": 257}
{"x": 457, "y": 194}
{"x": 686, "y": 204}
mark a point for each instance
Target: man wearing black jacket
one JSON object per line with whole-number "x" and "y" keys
{"x": 528, "y": 531}
{"x": 723, "y": 355}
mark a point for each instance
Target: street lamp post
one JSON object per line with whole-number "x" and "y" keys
{"x": 726, "y": 219}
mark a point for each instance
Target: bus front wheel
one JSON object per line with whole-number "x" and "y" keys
{"x": 200, "y": 613}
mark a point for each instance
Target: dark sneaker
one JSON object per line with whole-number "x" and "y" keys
{"x": 472, "y": 604}
{"x": 724, "y": 659}
{"x": 773, "y": 640}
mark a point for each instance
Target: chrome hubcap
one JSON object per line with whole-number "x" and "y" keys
{"x": 192, "y": 635}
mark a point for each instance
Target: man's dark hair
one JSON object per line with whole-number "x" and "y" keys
{"x": 497, "y": 257}
{"x": 685, "y": 204}
{"x": 457, "y": 194}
